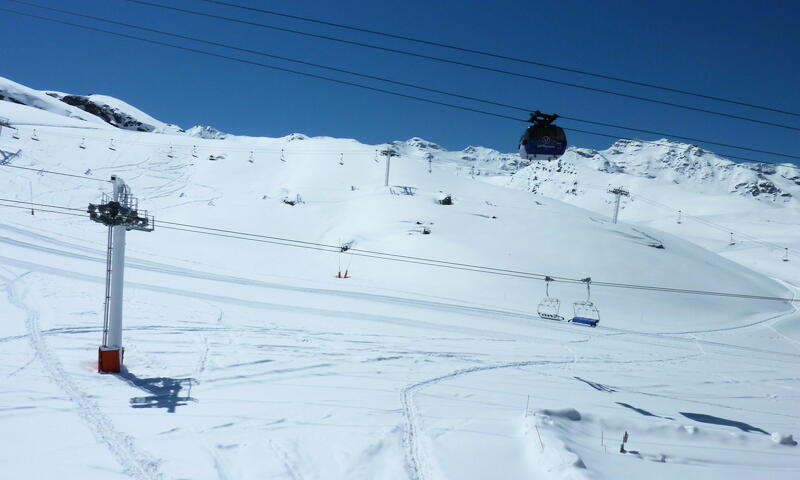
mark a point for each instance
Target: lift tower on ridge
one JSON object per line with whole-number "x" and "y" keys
{"x": 618, "y": 192}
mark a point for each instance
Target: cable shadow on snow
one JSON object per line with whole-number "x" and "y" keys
{"x": 642, "y": 411}
{"x": 164, "y": 392}
{"x": 703, "y": 418}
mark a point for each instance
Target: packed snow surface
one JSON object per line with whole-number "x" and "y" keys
{"x": 250, "y": 359}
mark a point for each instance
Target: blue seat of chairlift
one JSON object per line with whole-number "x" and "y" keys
{"x": 592, "y": 322}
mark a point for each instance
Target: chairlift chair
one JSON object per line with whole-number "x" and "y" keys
{"x": 549, "y": 306}
{"x": 586, "y": 313}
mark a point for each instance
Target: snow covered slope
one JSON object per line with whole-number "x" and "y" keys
{"x": 249, "y": 359}
{"x": 94, "y": 109}
{"x": 757, "y": 203}
{"x": 19, "y": 94}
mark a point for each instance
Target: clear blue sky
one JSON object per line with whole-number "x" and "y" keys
{"x": 739, "y": 49}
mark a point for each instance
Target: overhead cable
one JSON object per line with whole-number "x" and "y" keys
{"x": 400, "y": 83}
{"x": 501, "y": 57}
{"x": 232, "y": 234}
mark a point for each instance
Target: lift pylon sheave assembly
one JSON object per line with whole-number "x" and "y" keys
{"x": 549, "y": 306}
{"x": 586, "y": 313}
{"x": 120, "y": 213}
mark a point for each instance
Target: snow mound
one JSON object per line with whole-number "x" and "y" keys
{"x": 783, "y": 439}
{"x": 565, "y": 413}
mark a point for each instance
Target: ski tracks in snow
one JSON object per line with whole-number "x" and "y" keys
{"x": 417, "y": 464}
{"x": 290, "y": 463}
{"x": 134, "y": 463}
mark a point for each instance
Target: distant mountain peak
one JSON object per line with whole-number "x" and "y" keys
{"x": 665, "y": 162}
{"x": 206, "y": 131}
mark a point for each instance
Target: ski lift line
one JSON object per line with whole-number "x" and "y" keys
{"x": 359, "y": 250}
{"x": 44, "y": 210}
{"x": 404, "y": 84}
{"x": 653, "y": 202}
{"x": 701, "y": 220}
{"x": 335, "y": 249}
{"x": 200, "y": 146}
{"x": 716, "y": 225}
{"x": 358, "y": 152}
{"x": 505, "y": 57}
{"x": 453, "y": 62}
{"x": 34, "y": 204}
{"x": 51, "y": 172}
{"x": 707, "y": 222}
{"x": 327, "y": 247}
{"x": 472, "y": 267}
{"x": 344, "y": 82}
{"x": 450, "y": 265}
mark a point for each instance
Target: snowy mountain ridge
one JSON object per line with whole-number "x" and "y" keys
{"x": 688, "y": 166}
{"x": 671, "y": 163}
{"x": 96, "y": 109}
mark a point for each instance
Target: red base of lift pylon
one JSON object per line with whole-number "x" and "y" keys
{"x": 108, "y": 360}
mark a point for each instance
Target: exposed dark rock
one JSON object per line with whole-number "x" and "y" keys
{"x": 108, "y": 114}
{"x": 10, "y": 99}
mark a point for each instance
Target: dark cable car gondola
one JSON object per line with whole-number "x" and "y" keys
{"x": 543, "y": 140}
